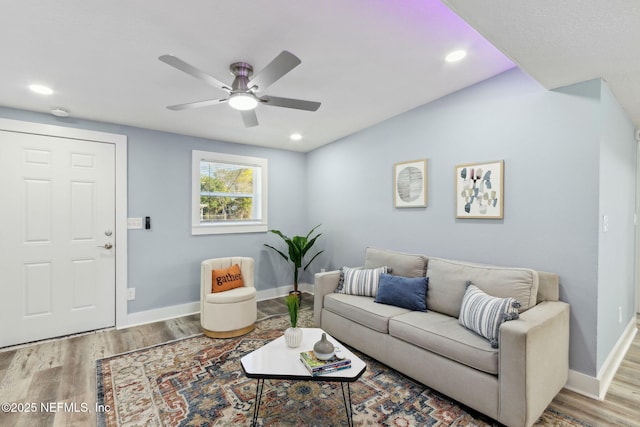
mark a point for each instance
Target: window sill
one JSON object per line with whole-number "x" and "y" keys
{"x": 198, "y": 230}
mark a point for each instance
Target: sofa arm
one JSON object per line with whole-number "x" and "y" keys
{"x": 534, "y": 362}
{"x": 325, "y": 283}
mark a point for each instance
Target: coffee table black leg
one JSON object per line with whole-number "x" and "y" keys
{"x": 346, "y": 397}
{"x": 256, "y": 406}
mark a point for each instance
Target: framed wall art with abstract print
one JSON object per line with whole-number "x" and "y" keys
{"x": 410, "y": 184}
{"x": 480, "y": 190}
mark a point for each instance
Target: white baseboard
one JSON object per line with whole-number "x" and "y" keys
{"x": 282, "y": 291}
{"x": 171, "y": 312}
{"x": 597, "y": 387}
{"x": 159, "y": 314}
{"x": 583, "y": 384}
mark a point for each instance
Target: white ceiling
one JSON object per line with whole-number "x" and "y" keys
{"x": 559, "y": 43}
{"x": 364, "y": 60}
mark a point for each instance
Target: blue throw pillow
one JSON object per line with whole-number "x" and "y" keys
{"x": 405, "y": 292}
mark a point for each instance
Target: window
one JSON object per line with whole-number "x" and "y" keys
{"x": 229, "y": 193}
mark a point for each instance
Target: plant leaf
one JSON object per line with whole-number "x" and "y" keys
{"x": 293, "y": 304}
{"x": 295, "y": 255}
{"x": 281, "y": 253}
{"x": 314, "y": 257}
{"x": 310, "y": 244}
{"x": 312, "y": 230}
{"x": 279, "y": 233}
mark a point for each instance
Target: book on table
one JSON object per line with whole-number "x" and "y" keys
{"x": 317, "y": 366}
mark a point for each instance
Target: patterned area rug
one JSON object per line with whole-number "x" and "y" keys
{"x": 198, "y": 381}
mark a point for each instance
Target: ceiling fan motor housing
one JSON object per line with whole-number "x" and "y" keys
{"x": 242, "y": 71}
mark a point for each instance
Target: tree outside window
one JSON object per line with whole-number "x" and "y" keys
{"x": 229, "y": 193}
{"x": 226, "y": 192}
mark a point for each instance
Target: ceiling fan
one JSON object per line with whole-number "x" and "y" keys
{"x": 243, "y": 92}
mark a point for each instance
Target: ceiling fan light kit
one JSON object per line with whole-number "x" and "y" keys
{"x": 242, "y": 101}
{"x": 242, "y": 93}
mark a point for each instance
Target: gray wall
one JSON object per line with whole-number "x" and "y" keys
{"x": 616, "y": 268}
{"x": 164, "y": 263}
{"x": 550, "y": 143}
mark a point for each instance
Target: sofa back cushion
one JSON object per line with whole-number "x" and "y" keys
{"x": 399, "y": 263}
{"x": 448, "y": 278}
{"x": 548, "y": 286}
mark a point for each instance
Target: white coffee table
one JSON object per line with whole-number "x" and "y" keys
{"x": 276, "y": 360}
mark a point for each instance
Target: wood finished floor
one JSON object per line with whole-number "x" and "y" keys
{"x": 63, "y": 370}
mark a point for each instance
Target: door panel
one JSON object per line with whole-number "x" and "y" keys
{"x": 37, "y": 198}
{"x": 37, "y": 288}
{"x": 57, "y": 200}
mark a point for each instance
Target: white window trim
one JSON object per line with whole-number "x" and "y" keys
{"x": 257, "y": 226}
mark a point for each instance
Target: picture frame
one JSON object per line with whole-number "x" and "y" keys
{"x": 410, "y": 184}
{"x": 480, "y": 190}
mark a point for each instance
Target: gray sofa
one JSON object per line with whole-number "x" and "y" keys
{"x": 512, "y": 384}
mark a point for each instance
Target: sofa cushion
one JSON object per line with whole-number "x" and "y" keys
{"x": 406, "y": 292}
{"x": 362, "y": 310}
{"x": 447, "y": 284}
{"x": 399, "y": 263}
{"x": 360, "y": 281}
{"x": 443, "y": 335}
{"x": 483, "y": 314}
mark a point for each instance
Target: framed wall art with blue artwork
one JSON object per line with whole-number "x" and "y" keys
{"x": 480, "y": 190}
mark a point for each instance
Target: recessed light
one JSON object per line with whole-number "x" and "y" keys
{"x": 60, "y": 112}
{"x": 41, "y": 89}
{"x": 456, "y": 55}
{"x": 295, "y": 137}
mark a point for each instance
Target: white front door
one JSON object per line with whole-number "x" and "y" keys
{"x": 57, "y": 236}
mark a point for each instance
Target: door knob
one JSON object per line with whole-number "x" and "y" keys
{"x": 106, "y": 246}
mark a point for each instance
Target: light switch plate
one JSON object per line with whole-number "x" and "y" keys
{"x": 134, "y": 223}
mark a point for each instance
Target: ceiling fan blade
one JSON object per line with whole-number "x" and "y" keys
{"x": 197, "y": 104}
{"x": 193, "y": 71}
{"x": 297, "y": 104}
{"x": 249, "y": 118}
{"x": 277, "y": 68}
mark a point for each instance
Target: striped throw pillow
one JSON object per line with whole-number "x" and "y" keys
{"x": 361, "y": 281}
{"x": 484, "y": 314}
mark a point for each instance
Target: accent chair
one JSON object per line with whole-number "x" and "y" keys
{"x": 232, "y": 312}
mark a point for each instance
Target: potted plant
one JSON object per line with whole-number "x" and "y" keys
{"x": 293, "y": 335}
{"x": 298, "y": 247}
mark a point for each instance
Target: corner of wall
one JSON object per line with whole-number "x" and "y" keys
{"x": 597, "y": 387}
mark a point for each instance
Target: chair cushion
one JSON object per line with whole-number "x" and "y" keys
{"x": 233, "y": 295}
